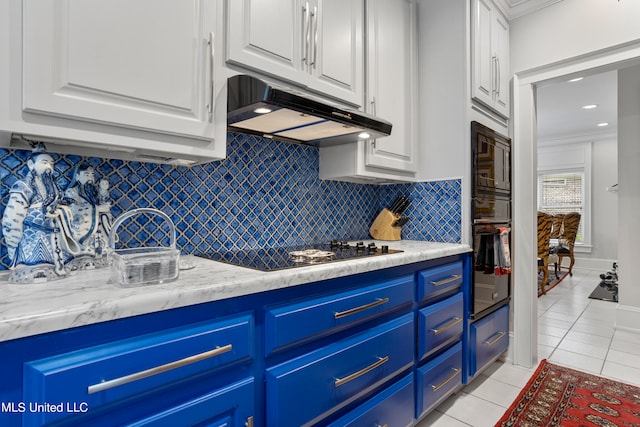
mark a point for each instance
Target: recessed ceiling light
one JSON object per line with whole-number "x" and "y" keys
{"x": 577, "y": 79}
{"x": 262, "y": 110}
{"x": 589, "y": 107}
{"x": 603, "y": 124}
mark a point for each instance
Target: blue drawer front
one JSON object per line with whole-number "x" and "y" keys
{"x": 393, "y": 407}
{"x": 231, "y": 406}
{"x": 321, "y": 316}
{"x": 489, "y": 339}
{"x": 437, "y": 281}
{"x": 440, "y": 325}
{"x": 438, "y": 379}
{"x": 337, "y": 374}
{"x": 92, "y": 375}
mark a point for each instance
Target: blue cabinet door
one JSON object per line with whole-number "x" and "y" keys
{"x": 489, "y": 338}
{"x": 104, "y": 374}
{"x": 440, "y": 325}
{"x": 392, "y": 407}
{"x": 316, "y": 317}
{"x": 438, "y": 379}
{"x": 436, "y": 282}
{"x": 338, "y": 374}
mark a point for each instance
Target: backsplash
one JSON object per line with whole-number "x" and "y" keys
{"x": 265, "y": 193}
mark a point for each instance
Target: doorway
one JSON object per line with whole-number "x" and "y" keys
{"x": 525, "y": 328}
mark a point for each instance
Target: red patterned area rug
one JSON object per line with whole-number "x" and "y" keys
{"x": 553, "y": 282}
{"x": 558, "y": 396}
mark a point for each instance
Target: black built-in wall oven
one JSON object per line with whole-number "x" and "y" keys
{"x": 491, "y": 218}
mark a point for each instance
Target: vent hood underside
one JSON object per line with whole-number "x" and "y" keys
{"x": 258, "y": 108}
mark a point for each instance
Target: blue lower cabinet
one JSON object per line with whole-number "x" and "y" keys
{"x": 489, "y": 338}
{"x": 231, "y": 406}
{"x": 111, "y": 373}
{"x": 440, "y": 325}
{"x": 438, "y": 379}
{"x": 338, "y": 374}
{"x": 393, "y": 407}
{"x": 438, "y": 281}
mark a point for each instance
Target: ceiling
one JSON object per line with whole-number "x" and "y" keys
{"x": 561, "y": 116}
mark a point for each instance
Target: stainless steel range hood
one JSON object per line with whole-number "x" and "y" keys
{"x": 259, "y": 108}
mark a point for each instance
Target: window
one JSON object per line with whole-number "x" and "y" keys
{"x": 564, "y": 184}
{"x": 563, "y": 193}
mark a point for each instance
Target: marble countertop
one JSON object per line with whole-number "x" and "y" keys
{"x": 88, "y": 297}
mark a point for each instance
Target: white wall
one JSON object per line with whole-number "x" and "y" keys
{"x": 629, "y": 197}
{"x": 571, "y": 28}
{"x": 604, "y": 206}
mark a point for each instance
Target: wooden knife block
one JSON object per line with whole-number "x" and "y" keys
{"x": 381, "y": 229}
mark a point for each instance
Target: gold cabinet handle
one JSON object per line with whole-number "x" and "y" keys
{"x": 376, "y": 303}
{"x": 451, "y": 323}
{"x": 453, "y": 278}
{"x": 496, "y": 338}
{"x": 381, "y": 361}
{"x": 106, "y": 385}
{"x": 442, "y": 383}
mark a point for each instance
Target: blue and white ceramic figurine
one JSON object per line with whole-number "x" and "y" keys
{"x": 30, "y": 223}
{"x": 50, "y": 233}
{"x": 90, "y": 218}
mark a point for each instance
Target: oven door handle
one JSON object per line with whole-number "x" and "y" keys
{"x": 505, "y": 221}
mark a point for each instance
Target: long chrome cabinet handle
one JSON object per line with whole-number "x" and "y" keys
{"x": 443, "y": 327}
{"x": 106, "y": 385}
{"x": 378, "y": 302}
{"x": 314, "y": 17}
{"x": 453, "y": 278}
{"x": 212, "y": 51}
{"x": 306, "y": 29}
{"x": 442, "y": 383}
{"x": 496, "y": 338}
{"x": 381, "y": 361}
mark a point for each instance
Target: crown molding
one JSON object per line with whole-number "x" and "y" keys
{"x": 518, "y": 8}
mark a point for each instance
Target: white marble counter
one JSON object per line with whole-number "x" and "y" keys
{"x": 88, "y": 298}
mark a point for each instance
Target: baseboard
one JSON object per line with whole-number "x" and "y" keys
{"x": 627, "y": 318}
{"x": 596, "y": 264}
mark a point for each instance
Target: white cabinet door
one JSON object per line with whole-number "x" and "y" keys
{"x": 316, "y": 44}
{"x": 501, "y": 42}
{"x": 392, "y": 94}
{"x": 267, "y": 36}
{"x": 490, "y": 57}
{"x": 337, "y": 55}
{"x": 392, "y": 84}
{"x": 144, "y": 64}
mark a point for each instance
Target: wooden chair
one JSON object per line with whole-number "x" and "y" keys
{"x": 544, "y": 237}
{"x": 568, "y": 239}
{"x": 557, "y": 222}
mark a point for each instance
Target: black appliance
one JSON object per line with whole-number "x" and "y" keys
{"x": 491, "y": 213}
{"x": 258, "y": 108}
{"x": 280, "y": 258}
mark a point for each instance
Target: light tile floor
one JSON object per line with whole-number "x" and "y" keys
{"x": 573, "y": 331}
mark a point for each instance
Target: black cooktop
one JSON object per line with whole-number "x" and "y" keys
{"x": 280, "y": 258}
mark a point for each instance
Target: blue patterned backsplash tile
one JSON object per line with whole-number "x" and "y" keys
{"x": 265, "y": 193}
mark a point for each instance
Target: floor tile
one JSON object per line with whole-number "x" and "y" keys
{"x": 621, "y": 373}
{"x": 472, "y": 410}
{"x": 588, "y": 338}
{"x": 492, "y": 390}
{"x": 598, "y": 352}
{"x": 576, "y": 361}
{"x": 438, "y": 419}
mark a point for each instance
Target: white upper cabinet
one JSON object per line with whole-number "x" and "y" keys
{"x": 317, "y": 44}
{"x": 490, "y": 57}
{"x": 146, "y": 65}
{"x": 392, "y": 94}
{"x": 392, "y": 82}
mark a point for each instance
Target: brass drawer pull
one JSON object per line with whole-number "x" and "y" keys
{"x": 106, "y": 385}
{"x": 453, "y": 322}
{"x": 453, "y": 278}
{"x": 376, "y": 303}
{"x": 497, "y": 336}
{"x": 442, "y": 383}
{"x": 381, "y": 361}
